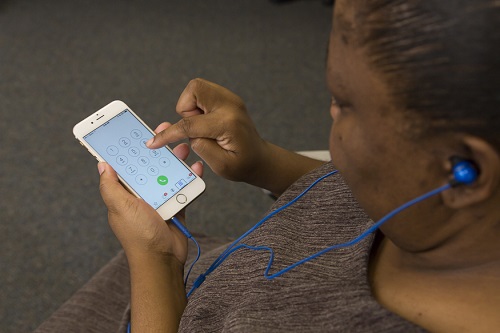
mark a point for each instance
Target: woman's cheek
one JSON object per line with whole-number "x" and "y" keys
{"x": 336, "y": 147}
{"x": 346, "y": 146}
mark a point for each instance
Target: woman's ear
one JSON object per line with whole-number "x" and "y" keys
{"x": 487, "y": 160}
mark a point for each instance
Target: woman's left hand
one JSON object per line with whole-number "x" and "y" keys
{"x": 137, "y": 225}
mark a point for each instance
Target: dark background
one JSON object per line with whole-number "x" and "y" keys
{"x": 61, "y": 60}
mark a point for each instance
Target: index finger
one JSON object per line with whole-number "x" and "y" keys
{"x": 200, "y": 126}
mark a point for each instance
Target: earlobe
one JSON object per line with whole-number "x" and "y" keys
{"x": 487, "y": 161}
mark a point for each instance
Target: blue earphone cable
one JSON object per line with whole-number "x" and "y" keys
{"x": 194, "y": 261}
{"x": 186, "y": 233}
{"x": 234, "y": 247}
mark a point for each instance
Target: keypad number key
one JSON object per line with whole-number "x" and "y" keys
{"x": 143, "y": 143}
{"x": 136, "y": 134}
{"x": 143, "y": 161}
{"x": 131, "y": 169}
{"x": 122, "y": 160}
{"x": 134, "y": 151}
{"x": 112, "y": 150}
{"x": 124, "y": 142}
{"x": 152, "y": 170}
{"x": 154, "y": 153}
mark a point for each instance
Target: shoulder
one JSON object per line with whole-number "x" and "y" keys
{"x": 322, "y": 188}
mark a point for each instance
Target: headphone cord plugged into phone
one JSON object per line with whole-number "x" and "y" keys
{"x": 186, "y": 233}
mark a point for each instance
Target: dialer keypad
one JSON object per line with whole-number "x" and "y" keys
{"x": 137, "y": 160}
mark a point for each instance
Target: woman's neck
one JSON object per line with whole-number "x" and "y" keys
{"x": 451, "y": 286}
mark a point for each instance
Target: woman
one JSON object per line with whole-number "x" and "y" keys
{"x": 414, "y": 86}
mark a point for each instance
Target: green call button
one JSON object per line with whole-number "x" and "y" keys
{"x": 162, "y": 180}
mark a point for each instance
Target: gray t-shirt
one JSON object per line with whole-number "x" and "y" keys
{"x": 329, "y": 294}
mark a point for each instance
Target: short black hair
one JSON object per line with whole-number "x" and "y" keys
{"x": 440, "y": 60}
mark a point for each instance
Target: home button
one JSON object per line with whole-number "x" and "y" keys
{"x": 181, "y": 198}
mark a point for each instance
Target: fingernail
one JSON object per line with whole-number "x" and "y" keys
{"x": 101, "y": 166}
{"x": 150, "y": 142}
{"x": 201, "y": 162}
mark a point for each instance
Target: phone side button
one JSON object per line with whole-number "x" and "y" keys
{"x": 181, "y": 198}
{"x": 93, "y": 155}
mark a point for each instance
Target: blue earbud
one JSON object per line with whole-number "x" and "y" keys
{"x": 464, "y": 172}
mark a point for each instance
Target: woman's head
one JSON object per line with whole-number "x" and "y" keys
{"x": 414, "y": 83}
{"x": 439, "y": 60}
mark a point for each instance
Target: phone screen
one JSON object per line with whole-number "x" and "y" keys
{"x": 156, "y": 175}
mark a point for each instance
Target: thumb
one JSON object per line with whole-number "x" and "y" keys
{"x": 112, "y": 191}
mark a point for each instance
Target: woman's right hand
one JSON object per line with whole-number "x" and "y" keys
{"x": 220, "y": 130}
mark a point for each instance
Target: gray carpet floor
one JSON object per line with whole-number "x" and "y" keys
{"x": 61, "y": 60}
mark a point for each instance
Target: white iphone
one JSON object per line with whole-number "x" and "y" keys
{"x": 116, "y": 135}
